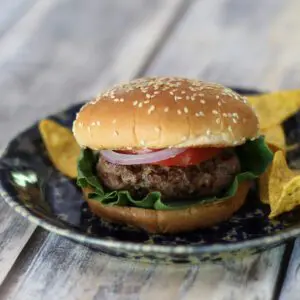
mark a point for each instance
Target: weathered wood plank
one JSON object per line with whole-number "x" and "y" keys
{"x": 291, "y": 286}
{"x": 12, "y": 11}
{"x": 14, "y": 234}
{"x": 238, "y": 43}
{"x": 74, "y": 272}
{"x": 55, "y": 56}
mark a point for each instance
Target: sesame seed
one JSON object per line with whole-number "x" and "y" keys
{"x": 93, "y": 124}
{"x": 187, "y": 97}
{"x": 171, "y": 93}
{"x": 253, "y": 139}
{"x": 202, "y": 101}
{"x": 122, "y": 100}
{"x": 140, "y": 104}
{"x": 217, "y": 97}
{"x": 193, "y": 98}
{"x": 116, "y": 133}
{"x": 184, "y": 138}
{"x": 147, "y": 101}
{"x": 135, "y": 103}
{"x": 199, "y": 114}
{"x": 207, "y": 132}
{"x": 157, "y": 129}
{"x": 229, "y": 128}
{"x": 224, "y": 115}
{"x": 166, "y": 109}
{"x": 214, "y": 112}
{"x": 218, "y": 120}
{"x": 185, "y": 110}
{"x": 179, "y": 111}
{"x": 219, "y": 103}
{"x": 201, "y": 94}
{"x": 98, "y": 123}
{"x": 151, "y": 109}
{"x": 183, "y": 92}
{"x": 235, "y": 142}
{"x": 80, "y": 124}
{"x": 114, "y": 121}
{"x": 142, "y": 142}
{"x": 148, "y": 96}
{"x": 89, "y": 129}
{"x": 235, "y": 115}
{"x": 234, "y": 120}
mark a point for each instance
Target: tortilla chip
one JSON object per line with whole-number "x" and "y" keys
{"x": 273, "y": 108}
{"x": 61, "y": 145}
{"x": 275, "y": 136}
{"x": 263, "y": 184}
{"x": 279, "y": 186}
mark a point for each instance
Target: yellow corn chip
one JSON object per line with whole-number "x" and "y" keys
{"x": 263, "y": 184}
{"x": 279, "y": 176}
{"x": 61, "y": 145}
{"x": 278, "y": 186}
{"x": 275, "y": 136}
{"x": 290, "y": 197}
{"x": 273, "y": 108}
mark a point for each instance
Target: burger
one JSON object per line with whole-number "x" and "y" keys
{"x": 168, "y": 154}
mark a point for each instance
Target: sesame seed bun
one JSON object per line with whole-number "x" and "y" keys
{"x": 160, "y": 112}
{"x": 172, "y": 221}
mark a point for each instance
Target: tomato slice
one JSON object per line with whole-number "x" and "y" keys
{"x": 192, "y": 156}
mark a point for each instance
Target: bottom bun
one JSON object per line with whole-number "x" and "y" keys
{"x": 172, "y": 221}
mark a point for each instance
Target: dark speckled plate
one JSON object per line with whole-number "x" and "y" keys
{"x": 30, "y": 184}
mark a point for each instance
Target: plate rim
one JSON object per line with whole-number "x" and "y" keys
{"x": 76, "y": 235}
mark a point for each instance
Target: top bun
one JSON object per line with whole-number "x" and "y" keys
{"x": 160, "y": 112}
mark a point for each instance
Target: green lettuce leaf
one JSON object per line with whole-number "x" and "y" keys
{"x": 254, "y": 157}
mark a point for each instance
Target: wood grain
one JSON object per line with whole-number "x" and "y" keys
{"x": 12, "y": 11}
{"x": 238, "y": 43}
{"x": 53, "y": 56}
{"x": 14, "y": 233}
{"x": 291, "y": 287}
{"x": 74, "y": 272}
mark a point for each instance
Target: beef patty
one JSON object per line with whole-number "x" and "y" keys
{"x": 208, "y": 178}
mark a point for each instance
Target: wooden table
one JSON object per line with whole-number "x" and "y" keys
{"x": 54, "y": 53}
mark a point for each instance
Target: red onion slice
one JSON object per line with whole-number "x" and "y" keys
{"x": 137, "y": 159}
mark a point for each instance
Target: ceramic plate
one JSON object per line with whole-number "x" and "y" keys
{"x": 34, "y": 188}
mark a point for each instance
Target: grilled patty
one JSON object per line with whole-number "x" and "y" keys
{"x": 208, "y": 178}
